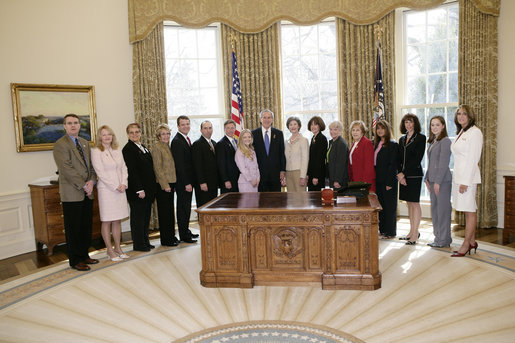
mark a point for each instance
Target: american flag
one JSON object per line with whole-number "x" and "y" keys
{"x": 236, "y": 101}
{"x": 378, "y": 88}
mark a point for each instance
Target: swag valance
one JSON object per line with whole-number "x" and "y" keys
{"x": 252, "y": 16}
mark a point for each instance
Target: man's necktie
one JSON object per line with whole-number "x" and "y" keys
{"x": 211, "y": 146}
{"x": 267, "y": 142}
{"x": 188, "y": 138}
{"x": 77, "y": 145}
{"x": 234, "y": 144}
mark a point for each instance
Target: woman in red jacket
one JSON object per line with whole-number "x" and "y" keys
{"x": 361, "y": 156}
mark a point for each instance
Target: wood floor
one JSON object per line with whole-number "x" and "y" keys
{"x": 28, "y": 263}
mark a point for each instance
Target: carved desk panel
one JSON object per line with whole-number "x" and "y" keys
{"x": 289, "y": 239}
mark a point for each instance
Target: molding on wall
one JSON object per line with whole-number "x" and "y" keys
{"x": 16, "y": 225}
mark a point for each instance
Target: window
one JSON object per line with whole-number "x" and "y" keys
{"x": 309, "y": 73}
{"x": 193, "y": 82}
{"x": 430, "y": 64}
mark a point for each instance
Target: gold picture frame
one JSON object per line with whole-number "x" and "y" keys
{"x": 39, "y": 111}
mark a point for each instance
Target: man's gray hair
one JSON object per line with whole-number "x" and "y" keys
{"x": 264, "y": 111}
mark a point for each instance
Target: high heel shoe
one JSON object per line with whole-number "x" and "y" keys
{"x": 122, "y": 255}
{"x": 407, "y": 238}
{"x": 411, "y": 243}
{"x": 474, "y": 247}
{"x": 114, "y": 259}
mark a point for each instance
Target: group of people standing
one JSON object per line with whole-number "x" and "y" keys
{"x": 260, "y": 161}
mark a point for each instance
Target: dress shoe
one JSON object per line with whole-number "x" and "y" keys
{"x": 122, "y": 255}
{"x": 90, "y": 260}
{"x": 176, "y": 240}
{"x": 173, "y": 244}
{"x": 151, "y": 246}
{"x": 145, "y": 249}
{"x": 194, "y": 235}
{"x": 436, "y": 245}
{"x": 411, "y": 243}
{"x": 81, "y": 267}
{"x": 189, "y": 240}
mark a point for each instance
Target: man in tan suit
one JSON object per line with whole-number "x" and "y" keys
{"x": 72, "y": 155}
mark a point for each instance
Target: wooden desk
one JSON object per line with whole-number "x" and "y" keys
{"x": 47, "y": 213}
{"x": 509, "y": 209}
{"x": 289, "y": 239}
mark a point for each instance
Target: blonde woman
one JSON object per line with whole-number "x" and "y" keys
{"x": 246, "y": 161}
{"x": 164, "y": 168}
{"x": 111, "y": 170}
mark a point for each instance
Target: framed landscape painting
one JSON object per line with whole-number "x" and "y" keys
{"x": 39, "y": 111}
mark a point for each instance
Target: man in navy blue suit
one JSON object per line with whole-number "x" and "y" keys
{"x": 269, "y": 147}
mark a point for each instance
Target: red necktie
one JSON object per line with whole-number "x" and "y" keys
{"x": 188, "y": 138}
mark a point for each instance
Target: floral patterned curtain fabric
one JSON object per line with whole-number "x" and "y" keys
{"x": 149, "y": 90}
{"x": 477, "y": 75}
{"x": 253, "y": 16}
{"x": 357, "y": 51}
{"x": 258, "y": 62}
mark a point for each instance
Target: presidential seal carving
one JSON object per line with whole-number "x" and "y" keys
{"x": 287, "y": 243}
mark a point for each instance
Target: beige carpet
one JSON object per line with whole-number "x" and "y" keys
{"x": 426, "y": 296}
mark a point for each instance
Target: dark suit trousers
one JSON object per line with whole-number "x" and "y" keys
{"x": 271, "y": 183}
{"x": 140, "y": 221}
{"x": 183, "y": 211}
{"x": 165, "y": 214}
{"x": 205, "y": 197}
{"x": 388, "y": 216}
{"x": 78, "y": 217}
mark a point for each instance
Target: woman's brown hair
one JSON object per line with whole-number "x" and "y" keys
{"x": 442, "y": 134}
{"x": 470, "y": 114}
{"x": 414, "y": 119}
{"x": 387, "y": 132}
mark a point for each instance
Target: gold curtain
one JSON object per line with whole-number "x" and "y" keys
{"x": 149, "y": 90}
{"x": 257, "y": 56}
{"x": 357, "y": 54}
{"x": 478, "y": 89}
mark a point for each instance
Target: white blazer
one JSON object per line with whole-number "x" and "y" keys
{"x": 467, "y": 152}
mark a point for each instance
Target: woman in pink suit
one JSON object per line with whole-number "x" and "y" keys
{"x": 246, "y": 161}
{"x": 110, "y": 167}
{"x": 361, "y": 156}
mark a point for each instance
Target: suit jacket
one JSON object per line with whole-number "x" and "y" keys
{"x": 110, "y": 168}
{"x": 271, "y": 165}
{"x": 439, "y": 156}
{"x": 362, "y": 167}
{"x": 204, "y": 162}
{"x": 411, "y": 155}
{"x": 73, "y": 172}
{"x": 467, "y": 153}
{"x": 164, "y": 165}
{"x": 337, "y": 162}
{"x": 141, "y": 171}
{"x": 386, "y": 164}
{"x": 317, "y": 156}
{"x": 227, "y": 168}
{"x": 181, "y": 152}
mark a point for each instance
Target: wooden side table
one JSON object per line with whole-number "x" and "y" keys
{"x": 48, "y": 216}
{"x": 509, "y": 208}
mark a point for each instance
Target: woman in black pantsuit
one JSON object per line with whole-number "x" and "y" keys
{"x": 317, "y": 154}
{"x": 142, "y": 187}
{"x": 411, "y": 151}
{"x": 385, "y": 161}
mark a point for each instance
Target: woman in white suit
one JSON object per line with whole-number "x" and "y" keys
{"x": 466, "y": 149}
{"x": 110, "y": 167}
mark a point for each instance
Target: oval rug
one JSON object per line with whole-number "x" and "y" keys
{"x": 270, "y": 332}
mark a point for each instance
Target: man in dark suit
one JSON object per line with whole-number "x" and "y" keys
{"x": 141, "y": 190}
{"x": 72, "y": 155}
{"x": 204, "y": 162}
{"x": 181, "y": 151}
{"x": 269, "y": 147}
{"x": 228, "y": 171}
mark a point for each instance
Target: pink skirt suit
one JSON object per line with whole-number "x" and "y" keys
{"x": 112, "y": 172}
{"x": 249, "y": 171}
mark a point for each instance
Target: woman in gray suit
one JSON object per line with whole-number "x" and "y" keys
{"x": 337, "y": 156}
{"x": 438, "y": 181}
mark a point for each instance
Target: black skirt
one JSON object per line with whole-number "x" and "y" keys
{"x": 411, "y": 192}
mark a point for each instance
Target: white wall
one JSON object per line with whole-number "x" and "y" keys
{"x": 506, "y": 119}
{"x": 57, "y": 42}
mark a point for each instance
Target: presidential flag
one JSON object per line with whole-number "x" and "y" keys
{"x": 378, "y": 88}
{"x": 236, "y": 100}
